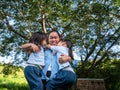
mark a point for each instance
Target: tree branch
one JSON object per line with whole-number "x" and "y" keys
{"x": 50, "y": 25}
{"x": 43, "y": 24}
{"x": 10, "y": 28}
{"x": 92, "y": 50}
{"x": 100, "y": 60}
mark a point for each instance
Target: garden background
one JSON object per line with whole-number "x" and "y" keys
{"x": 92, "y": 25}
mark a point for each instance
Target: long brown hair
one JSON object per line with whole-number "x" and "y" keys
{"x": 37, "y": 38}
{"x": 69, "y": 46}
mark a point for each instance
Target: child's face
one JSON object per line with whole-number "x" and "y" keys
{"x": 44, "y": 43}
{"x": 61, "y": 43}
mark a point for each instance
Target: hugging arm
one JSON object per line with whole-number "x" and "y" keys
{"x": 74, "y": 62}
{"x": 31, "y": 46}
{"x": 65, "y": 58}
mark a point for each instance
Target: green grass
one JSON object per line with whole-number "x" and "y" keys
{"x": 13, "y": 82}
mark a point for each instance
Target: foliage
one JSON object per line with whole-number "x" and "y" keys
{"x": 10, "y": 69}
{"x": 13, "y": 81}
{"x": 92, "y": 25}
{"x": 108, "y": 70}
{"x": 117, "y": 2}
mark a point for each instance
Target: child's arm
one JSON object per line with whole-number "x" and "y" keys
{"x": 56, "y": 48}
{"x": 49, "y": 46}
{"x": 61, "y": 49}
{"x": 31, "y": 46}
{"x": 27, "y": 45}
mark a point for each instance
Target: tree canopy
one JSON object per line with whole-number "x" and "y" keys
{"x": 92, "y": 25}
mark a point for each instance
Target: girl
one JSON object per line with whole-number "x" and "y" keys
{"x": 36, "y": 60}
{"x": 63, "y": 47}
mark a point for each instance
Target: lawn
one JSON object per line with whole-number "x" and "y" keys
{"x": 13, "y": 81}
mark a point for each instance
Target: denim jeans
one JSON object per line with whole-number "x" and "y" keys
{"x": 63, "y": 78}
{"x": 33, "y": 77}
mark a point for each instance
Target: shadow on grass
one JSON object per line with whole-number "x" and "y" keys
{"x": 13, "y": 86}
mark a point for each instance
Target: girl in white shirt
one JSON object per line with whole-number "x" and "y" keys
{"x": 35, "y": 59}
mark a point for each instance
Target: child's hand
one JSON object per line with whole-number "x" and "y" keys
{"x": 64, "y": 58}
{"x": 49, "y": 46}
{"x": 34, "y": 48}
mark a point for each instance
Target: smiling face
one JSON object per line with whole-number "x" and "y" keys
{"x": 53, "y": 38}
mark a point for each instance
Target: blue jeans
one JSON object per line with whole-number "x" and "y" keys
{"x": 33, "y": 77}
{"x": 63, "y": 78}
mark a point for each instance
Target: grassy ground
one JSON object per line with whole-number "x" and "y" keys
{"x": 13, "y": 82}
